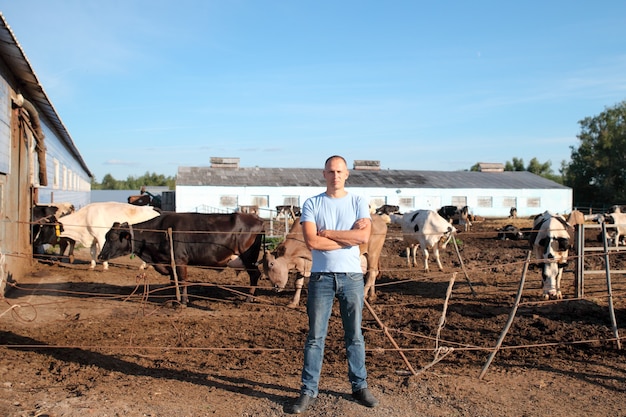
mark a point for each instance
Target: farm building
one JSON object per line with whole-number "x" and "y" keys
{"x": 492, "y": 192}
{"x": 39, "y": 162}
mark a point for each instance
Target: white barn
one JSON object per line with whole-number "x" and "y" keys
{"x": 225, "y": 186}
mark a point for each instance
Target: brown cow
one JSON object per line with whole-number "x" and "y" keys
{"x": 575, "y": 217}
{"x": 216, "y": 240}
{"x": 293, "y": 255}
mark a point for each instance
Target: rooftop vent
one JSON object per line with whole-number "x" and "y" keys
{"x": 217, "y": 162}
{"x": 364, "y": 165}
{"x": 490, "y": 167}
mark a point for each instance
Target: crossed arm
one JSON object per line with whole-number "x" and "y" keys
{"x": 336, "y": 239}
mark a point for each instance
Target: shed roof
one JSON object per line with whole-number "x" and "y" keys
{"x": 309, "y": 177}
{"x": 13, "y": 55}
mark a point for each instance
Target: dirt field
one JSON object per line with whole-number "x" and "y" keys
{"x": 77, "y": 342}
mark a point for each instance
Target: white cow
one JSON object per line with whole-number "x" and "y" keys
{"x": 425, "y": 229}
{"x": 90, "y": 224}
{"x": 618, "y": 219}
{"x": 550, "y": 242}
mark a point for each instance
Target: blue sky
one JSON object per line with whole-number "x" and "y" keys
{"x": 150, "y": 85}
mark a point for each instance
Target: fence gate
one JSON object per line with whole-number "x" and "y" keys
{"x": 580, "y": 271}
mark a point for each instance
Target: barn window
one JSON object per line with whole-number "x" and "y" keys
{"x": 509, "y": 202}
{"x": 3, "y": 179}
{"x": 459, "y": 201}
{"x": 378, "y": 201}
{"x": 291, "y": 200}
{"x": 260, "y": 200}
{"x": 5, "y": 128}
{"x": 55, "y": 181}
{"x": 533, "y": 202}
{"x": 228, "y": 201}
{"x": 406, "y": 203}
{"x": 64, "y": 184}
{"x": 5, "y": 147}
{"x": 486, "y": 202}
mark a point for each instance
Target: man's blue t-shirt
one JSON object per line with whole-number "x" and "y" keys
{"x": 335, "y": 214}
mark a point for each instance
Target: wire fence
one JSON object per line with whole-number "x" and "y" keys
{"x": 149, "y": 299}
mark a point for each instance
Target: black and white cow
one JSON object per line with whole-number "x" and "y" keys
{"x": 387, "y": 209}
{"x": 510, "y": 232}
{"x": 618, "y": 221}
{"x": 550, "y": 243}
{"x": 424, "y": 229}
{"x": 215, "y": 240}
{"x": 43, "y": 219}
{"x": 455, "y": 215}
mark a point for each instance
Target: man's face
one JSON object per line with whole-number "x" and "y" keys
{"x": 336, "y": 173}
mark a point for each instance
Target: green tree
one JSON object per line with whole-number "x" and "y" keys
{"x": 538, "y": 168}
{"x": 109, "y": 183}
{"x": 134, "y": 183}
{"x": 597, "y": 171}
{"x": 517, "y": 164}
{"x": 534, "y": 166}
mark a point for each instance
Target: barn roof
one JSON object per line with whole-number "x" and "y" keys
{"x": 28, "y": 84}
{"x": 308, "y": 177}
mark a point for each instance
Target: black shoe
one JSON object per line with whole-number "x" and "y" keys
{"x": 304, "y": 401}
{"x": 365, "y": 397}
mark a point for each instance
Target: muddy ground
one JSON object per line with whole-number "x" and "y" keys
{"x": 76, "y": 342}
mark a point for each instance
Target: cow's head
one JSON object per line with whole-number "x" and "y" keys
{"x": 446, "y": 237}
{"x": 118, "y": 242}
{"x": 276, "y": 269}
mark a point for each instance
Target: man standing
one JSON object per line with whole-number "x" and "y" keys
{"x": 334, "y": 224}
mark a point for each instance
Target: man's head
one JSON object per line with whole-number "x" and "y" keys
{"x": 336, "y": 172}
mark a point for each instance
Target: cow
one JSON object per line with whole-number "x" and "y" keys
{"x": 145, "y": 198}
{"x": 465, "y": 218}
{"x": 426, "y": 229}
{"x": 448, "y": 212}
{"x": 387, "y": 209}
{"x": 292, "y": 254}
{"x": 139, "y": 200}
{"x": 550, "y": 242}
{"x": 510, "y": 232}
{"x": 90, "y": 224}
{"x": 216, "y": 240}
{"x": 47, "y": 215}
{"x": 513, "y": 213}
{"x": 291, "y": 211}
{"x": 618, "y": 219}
{"x": 575, "y": 217}
{"x": 453, "y": 215}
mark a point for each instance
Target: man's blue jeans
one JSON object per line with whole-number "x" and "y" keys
{"x": 322, "y": 290}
